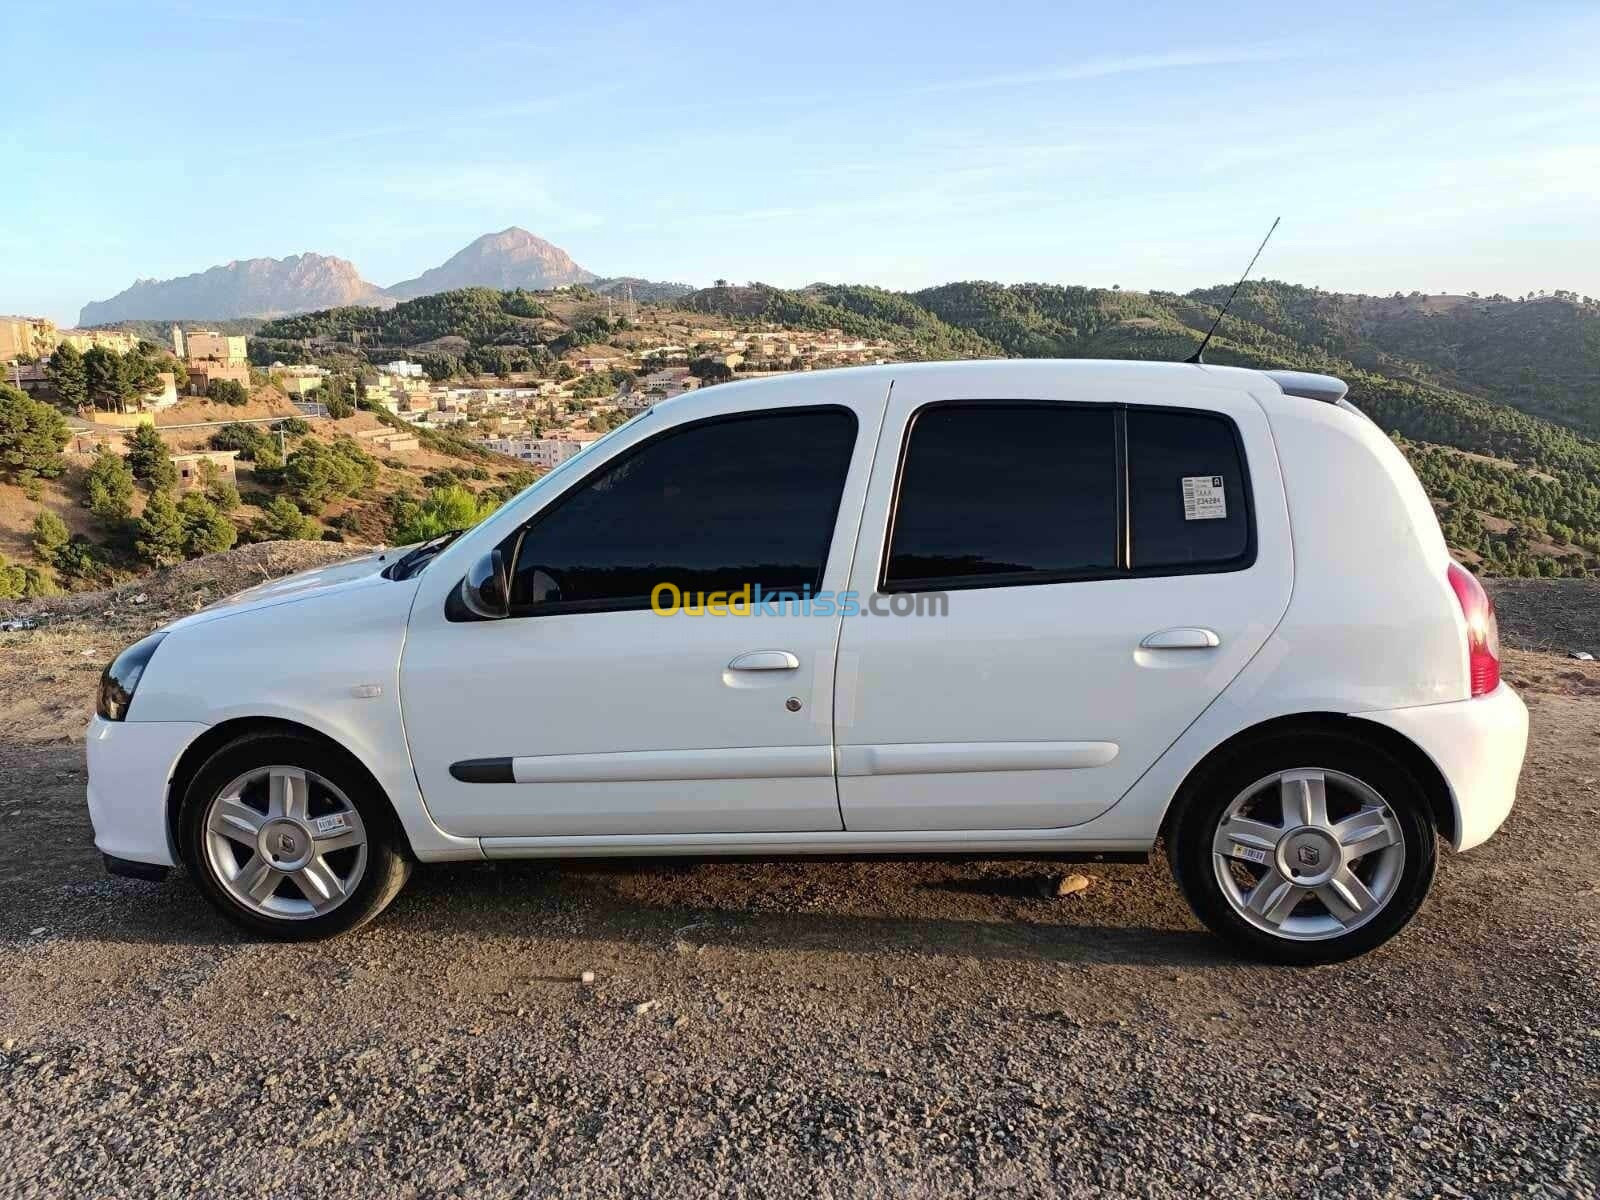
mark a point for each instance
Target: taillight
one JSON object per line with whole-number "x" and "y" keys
{"x": 1483, "y": 630}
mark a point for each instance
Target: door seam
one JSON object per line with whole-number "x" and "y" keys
{"x": 838, "y": 634}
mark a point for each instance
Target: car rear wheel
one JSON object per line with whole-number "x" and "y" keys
{"x": 1306, "y": 848}
{"x": 289, "y": 840}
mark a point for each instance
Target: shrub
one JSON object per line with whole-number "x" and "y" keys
{"x": 282, "y": 521}
{"x": 19, "y": 582}
{"x": 442, "y": 510}
{"x": 227, "y": 391}
{"x": 246, "y": 439}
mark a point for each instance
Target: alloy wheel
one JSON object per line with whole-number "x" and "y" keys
{"x": 1308, "y": 854}
{"x": 285, "y": 842}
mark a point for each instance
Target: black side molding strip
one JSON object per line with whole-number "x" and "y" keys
{"x": 483, "y": 770}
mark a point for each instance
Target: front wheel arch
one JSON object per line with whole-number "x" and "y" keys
{"x": 218, "y": 736}
{"x": 1412, "y": 757}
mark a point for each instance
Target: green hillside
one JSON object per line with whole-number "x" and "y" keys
{"x": 1497, "y": 401}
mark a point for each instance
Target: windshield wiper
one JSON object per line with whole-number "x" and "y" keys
{"x": 417, "y": 557}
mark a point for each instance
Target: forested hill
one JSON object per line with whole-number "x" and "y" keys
{"x": 1496, "y": 400}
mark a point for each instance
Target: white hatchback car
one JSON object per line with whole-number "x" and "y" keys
{"x": 1006, "y": 608}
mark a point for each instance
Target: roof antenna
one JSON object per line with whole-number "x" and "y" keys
{"x": 1223, "y": 311}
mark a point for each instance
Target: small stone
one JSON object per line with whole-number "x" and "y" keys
{"x": 8, "y": 1045}
{"x": 645, "y": 1006}
{"x": 586, "y": 977}
{"x": 1072, "y": 884}
{"x": 36, "y": 932}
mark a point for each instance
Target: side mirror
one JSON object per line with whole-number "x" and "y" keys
{"x": 486, "y": 591}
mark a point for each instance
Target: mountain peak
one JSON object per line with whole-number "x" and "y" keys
{"x": 511, "y": 258}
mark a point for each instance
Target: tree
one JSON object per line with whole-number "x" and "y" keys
{"x": 68, "y": 377}
{"x": 108, "y": 488}
{"x": 205, "y": 529}
{"x": 221, "y": 492}
{"x": 32, "y": 435}
{"x": 227, "y": 391}
{"x": 103, "y": 378}
{"x": 443, "y": 509}
{"x": 246, "y": 439}
{"x": 159, "y": 536}
{"x": 149, "y": 460}
{"x": 282, "y": 521}
{"x": 318, "y": 471}
{"x": 49, "y": 535}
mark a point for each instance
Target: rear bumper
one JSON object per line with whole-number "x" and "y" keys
{"x": 130, "y": 765}
{"x": 1478, "y": 747}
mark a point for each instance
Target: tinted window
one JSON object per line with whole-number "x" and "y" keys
{"x": 709, "y": 508}
{"x": 1186, "y": 490}
{"x": 1005, "y": 493}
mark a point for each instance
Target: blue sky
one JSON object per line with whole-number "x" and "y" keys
{"x": 1442, "y": 147}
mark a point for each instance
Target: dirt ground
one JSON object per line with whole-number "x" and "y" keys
{"x": 835, "y": 1030}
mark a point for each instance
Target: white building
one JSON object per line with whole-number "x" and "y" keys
{"x": 401, "y": 369}
{"x": 542, "y": 452}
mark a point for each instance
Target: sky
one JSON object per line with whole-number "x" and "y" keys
{"x": 1434, "y": 147}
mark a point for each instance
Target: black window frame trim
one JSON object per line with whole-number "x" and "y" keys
{"x": 511, "y": 545}
{"x": 1123, "y": 533}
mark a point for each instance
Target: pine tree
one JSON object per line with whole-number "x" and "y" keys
{"x": 68, "y": 377}
{"x": 49, "y": 535}
{"x": 108, "y": 488}
{"x": 149, "y": 460}
{"x": 205, "y": 530}
{"x": 159, "y": 534}
{"x": 32, "y": 436}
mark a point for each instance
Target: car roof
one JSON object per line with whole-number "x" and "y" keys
{"x": 1158, "y": 376}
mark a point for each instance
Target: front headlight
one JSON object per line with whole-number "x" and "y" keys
{"x": 122, "y": 676}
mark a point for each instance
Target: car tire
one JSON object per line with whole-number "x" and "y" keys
{"x": 290, "y": 839}
{"x": 1296, "y": 895}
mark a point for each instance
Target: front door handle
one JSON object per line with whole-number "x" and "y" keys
{"x": 1186, "y": 637}
{"x": 765, "y": 660}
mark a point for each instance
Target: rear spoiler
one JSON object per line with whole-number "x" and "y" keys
{"x": 1309, "y": 386}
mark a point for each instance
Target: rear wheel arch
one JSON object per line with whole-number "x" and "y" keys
{"x": 215, "y": 738}
{"x": 1410, "y": 756}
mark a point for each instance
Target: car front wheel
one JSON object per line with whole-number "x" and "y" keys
{"x": 1308, "y": 848}
{"x": 288, "y": 840}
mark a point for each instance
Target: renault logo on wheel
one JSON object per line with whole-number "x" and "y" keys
{"x": 286, "y": 843}
{"x": 1309, "y": 856}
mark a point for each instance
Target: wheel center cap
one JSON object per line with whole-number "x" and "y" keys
{"x": 1309, "y": 856}
{"x": 286, "y": 844}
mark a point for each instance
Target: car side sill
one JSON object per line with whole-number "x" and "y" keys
{"x": 915, "y": 843}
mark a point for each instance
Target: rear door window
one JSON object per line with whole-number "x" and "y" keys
{"x": 999, "y": 494}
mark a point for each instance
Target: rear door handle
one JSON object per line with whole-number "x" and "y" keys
{"x": 765, "y": 660}
{"x": 1185, "y": 637}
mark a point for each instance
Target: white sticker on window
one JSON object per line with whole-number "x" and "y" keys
{"x": 1203, "y": 498}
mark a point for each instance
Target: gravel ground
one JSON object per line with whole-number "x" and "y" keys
{"x": 835, "y": 1030}
{"x": 768, "y": 1030}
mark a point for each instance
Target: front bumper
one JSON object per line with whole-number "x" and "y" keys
{"x": 1478, "y": 746}
{"x": 130, "y": 766}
